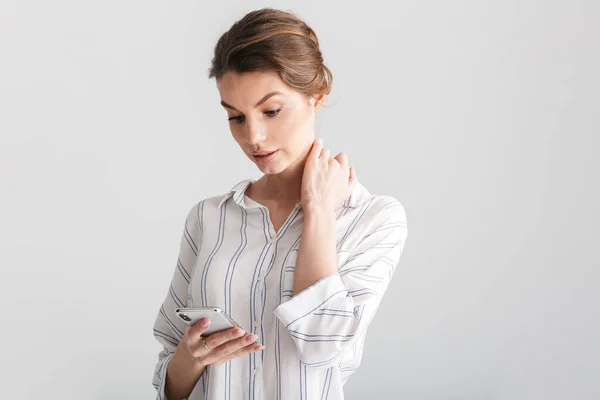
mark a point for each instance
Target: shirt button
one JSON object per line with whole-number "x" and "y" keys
{"x": 256, "y": 371}
{"x": 256, "y": 323}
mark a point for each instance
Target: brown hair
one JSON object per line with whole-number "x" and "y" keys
{"x": 273, "y": 40}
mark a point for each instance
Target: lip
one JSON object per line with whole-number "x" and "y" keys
{"x": 262, "y": 153}
{"x": 264, "y": 159}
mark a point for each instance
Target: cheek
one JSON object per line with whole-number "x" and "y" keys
{"x": 237, "y": 133}
{"x": 292, "y": 129}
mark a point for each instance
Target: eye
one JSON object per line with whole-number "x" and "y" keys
{"x": 273, "y": 113}
{"x": 238, "y": 119}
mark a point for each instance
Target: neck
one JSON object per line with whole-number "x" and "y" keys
{"x": 283, "y": 189}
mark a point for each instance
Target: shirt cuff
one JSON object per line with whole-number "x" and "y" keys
{"x": 162, "y": 375}
{"x": 310, "y": 299}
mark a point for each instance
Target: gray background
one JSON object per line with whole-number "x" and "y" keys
{"x": 480, "y": 117}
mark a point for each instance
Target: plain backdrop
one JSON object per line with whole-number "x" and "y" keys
{"x": 481, "y": 117}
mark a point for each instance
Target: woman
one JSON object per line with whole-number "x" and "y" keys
{"x": 300, "y": 257}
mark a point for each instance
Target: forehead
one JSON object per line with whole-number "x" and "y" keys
{"x": 249, "y": 86}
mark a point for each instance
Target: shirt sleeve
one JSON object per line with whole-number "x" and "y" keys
{"x": 168, "y": 329}
{"x": 325, "y": 319}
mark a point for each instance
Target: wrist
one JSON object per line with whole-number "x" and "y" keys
{"x": 318, "y": 211}
{"x": 183, "y": 372}
{"x": 185, "y": 358}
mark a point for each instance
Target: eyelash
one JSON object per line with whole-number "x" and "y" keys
{"x": 270, "y": 114}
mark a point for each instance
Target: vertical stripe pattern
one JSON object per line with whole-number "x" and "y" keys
{"x": 230, "y": 256}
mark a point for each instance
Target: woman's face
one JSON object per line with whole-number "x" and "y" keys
{"x": 266, "y": 115}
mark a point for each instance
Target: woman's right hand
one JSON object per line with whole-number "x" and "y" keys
{"x": 224, "y": 345}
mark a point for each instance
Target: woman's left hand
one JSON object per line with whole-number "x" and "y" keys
{"x": 326, "y": 182}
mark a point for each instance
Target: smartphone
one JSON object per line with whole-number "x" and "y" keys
{"x": 219, "y": 320}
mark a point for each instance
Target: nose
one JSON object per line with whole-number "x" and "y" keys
{"x": 255, "y": 132}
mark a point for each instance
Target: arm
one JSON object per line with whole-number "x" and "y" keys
{"x": 175, "y": 373}
{"x": 333, "y": 307}
{"x": 317, "y": 257}
{"x": 182, "y": 375}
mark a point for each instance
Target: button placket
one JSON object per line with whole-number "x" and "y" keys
{"x": 260, "y": 279}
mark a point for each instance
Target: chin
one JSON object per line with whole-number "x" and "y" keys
{"x": 271, "y": 170}
{"x": 274, "y": 168}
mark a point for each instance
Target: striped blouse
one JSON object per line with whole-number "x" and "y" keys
{"x": 231, "y": 257}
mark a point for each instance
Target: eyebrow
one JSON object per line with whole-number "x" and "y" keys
{"x": 261, "y": 101}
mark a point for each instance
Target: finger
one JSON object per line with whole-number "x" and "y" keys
{"x": 230, "y": 347}
{"x": 194, "y": 336}
{"x": 342, "y": 158}
{"x": 324, "y": 154}
{"x": 316, "y": 149}
{"x": 352, "y": 177}
{"x": 251, "y": 348}
{"x": 213, "y": 341}
{"x": 217, "y": 339}
{"x": 352, "y": 181}
{"x": 196, "y": 330}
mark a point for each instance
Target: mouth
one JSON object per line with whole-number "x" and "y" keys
{"x": 263, "y": 153}
{"x": 264, "y": 156}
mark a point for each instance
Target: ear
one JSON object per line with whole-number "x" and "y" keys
{"x": 318, "y": 101}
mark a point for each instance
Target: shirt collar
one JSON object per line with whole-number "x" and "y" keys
{"x": 237, "y": 192}
{"x": 356, "y": 199}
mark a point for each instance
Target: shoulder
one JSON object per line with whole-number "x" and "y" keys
{"x": 377, "y": 208}
{"x": 383, "y": 211}
{"x": 213, "y": 204}
{"x": 377, "y": 222}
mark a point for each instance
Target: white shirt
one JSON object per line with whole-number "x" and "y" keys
{"x": 231, "y": 257}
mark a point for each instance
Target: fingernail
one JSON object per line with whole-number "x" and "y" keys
{"x": 204, "y": 323}
{"x": 250, "y": 337}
